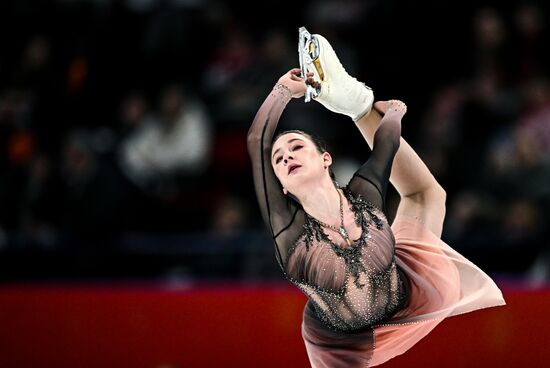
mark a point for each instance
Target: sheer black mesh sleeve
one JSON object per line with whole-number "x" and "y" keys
{"x": 371, "y": 180}
{"x": 282, "y": 215}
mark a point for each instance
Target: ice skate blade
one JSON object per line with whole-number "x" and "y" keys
{"x": 308, "y": 54}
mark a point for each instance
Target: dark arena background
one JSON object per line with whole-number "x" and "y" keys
{"x": 130, "y": 235}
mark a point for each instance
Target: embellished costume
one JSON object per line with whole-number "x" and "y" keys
{"x": 376, "y": 297}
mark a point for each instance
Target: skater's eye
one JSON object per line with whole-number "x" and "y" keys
{"x": 278, "y": 159}
{"x": 297, "y": 147}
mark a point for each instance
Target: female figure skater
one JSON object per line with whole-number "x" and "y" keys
{"x": 373, "y": 290}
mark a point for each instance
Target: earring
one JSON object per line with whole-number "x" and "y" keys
{"x": 285, "y": 191}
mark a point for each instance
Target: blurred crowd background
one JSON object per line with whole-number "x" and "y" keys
{"x": 123, "y": 127}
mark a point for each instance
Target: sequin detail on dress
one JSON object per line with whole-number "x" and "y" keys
{"x": 351, "y": 287}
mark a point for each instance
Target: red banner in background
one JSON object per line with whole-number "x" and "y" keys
{"x": 234, "y": 326}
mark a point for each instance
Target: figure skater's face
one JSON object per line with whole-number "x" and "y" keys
{"x": 297, "y": 160}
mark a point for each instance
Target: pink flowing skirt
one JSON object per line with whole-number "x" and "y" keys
{"x": 442, "y": 284}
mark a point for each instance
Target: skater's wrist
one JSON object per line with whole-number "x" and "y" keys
{"x": 282, "y": 91}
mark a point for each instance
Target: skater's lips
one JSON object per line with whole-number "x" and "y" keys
{"x": 293, "y": 167}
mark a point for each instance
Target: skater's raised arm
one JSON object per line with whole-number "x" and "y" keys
{"x": 375, "y": 173}
{"x": 276, "y": 208}
{"x": 421, "y": 195}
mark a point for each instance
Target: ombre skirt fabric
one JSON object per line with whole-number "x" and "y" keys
{"x": 442, "y": 284}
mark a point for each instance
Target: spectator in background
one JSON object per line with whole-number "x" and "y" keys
{"x": 175, "y": 144}
{"x": 530, "y": 41}
{"x": 167, "y": 156}
{"x": 82, "y": 214}
{"x": 40, "y": 206}
{"x": 18, "y": 144}
{"x": 224, "y": 72}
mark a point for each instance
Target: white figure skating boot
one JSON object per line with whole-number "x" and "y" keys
{"x": 338, "y": 91}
